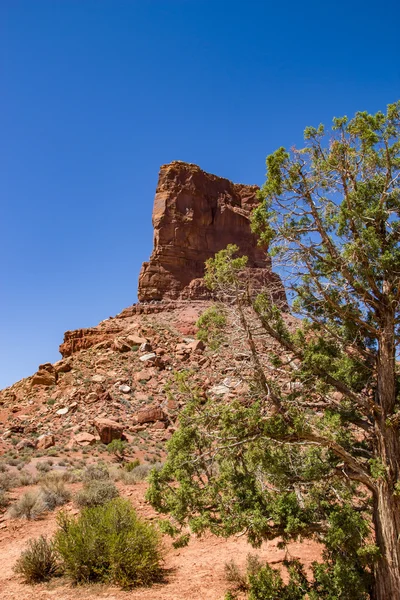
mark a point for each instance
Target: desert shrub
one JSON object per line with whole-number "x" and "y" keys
{"x": 44, "y": 467}
{"x": 4, "y": 501}
{"x": 238, "y": 579}
{"x": 95, "y": 493}
{"x": 129, "y": 466}
{"x": 262, "y": 582}
{"x": 210, "y": 327}
{"x": 235, "y": 577}
{"x": 7, "y": 481}
{"x": 54, "y": 491}
{"x": 95, "y": 472}
{"x": 117, "y": 448}
{"x": 38, "y": 562}
{"x": 30, "y": 506}
{"x": 138, "y": 473}
{"x": 26, "y": 478}
{"x": 115, "y": 472}
{"x": 109, "y": 543}
{"x": 3, "y": 467}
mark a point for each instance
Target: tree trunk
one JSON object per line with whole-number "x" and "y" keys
{"x": 387, "y": 531}
{"x": 386, "y": 510}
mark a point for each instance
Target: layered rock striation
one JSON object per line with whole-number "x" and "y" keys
{"x": 195, "y": 215}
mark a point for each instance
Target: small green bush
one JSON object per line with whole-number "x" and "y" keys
{"x": 210, "y": 327}
{"x": 110, "y": 544}
{"x": 117, "y": 448}
{"x": 96, "y": 493}
{"x": 132, "y": 465}
{"x": 38, "y": 562}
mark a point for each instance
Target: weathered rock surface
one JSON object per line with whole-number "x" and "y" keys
{"x": 108, "y": 430}
{"x": 150, "y": 415}
{"x": 195, "y": 215}
{"x": 46, "y": 375}
{"x": 44, "y": 441}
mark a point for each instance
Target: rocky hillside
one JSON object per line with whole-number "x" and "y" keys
{"x": 113, "y": 378}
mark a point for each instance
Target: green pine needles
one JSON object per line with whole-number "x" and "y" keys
{"x": 313, "y": 450}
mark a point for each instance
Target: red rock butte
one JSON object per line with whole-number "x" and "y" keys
{"x": 195, "y": 215}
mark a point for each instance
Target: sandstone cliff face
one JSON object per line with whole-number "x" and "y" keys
{"x": 195, "y": 215}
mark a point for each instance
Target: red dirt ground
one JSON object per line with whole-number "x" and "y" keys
{"x": 192, "y": 573}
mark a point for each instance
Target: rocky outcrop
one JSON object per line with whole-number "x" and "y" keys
{"x": 81, "y": 339}
{"x": 46, "y": 375}
{"x": 195, "y": 215}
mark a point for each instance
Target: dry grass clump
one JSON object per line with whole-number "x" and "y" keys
{"x": 7, "y": 481}
{"x": 95, "y": 472}
{"x": 54, "y": 491}
{"x": 138, "y": 473}
{"x": 26, "y": 478}
{"x": 38, "y": 562}
{"x": 240, "y": 580}
{"x": 34, "y": 503}
{"x": 43, "y": 467}
{"x": 30, "y": 506}
{"x": 4, "y": 500}
{"x": 96, "y": 493}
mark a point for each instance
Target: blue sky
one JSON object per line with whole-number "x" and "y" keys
{"x": 97, "y": 94}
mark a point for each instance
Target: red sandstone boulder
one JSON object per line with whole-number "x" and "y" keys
{"x": 45, "y": 441}
{"x": 135, "y": 340}
{"x": 150, "y": 415}
{"x": 108, "y": 430}
{"x": 46, "y": 375}
{"x": 83, "y": 439}
{"x": 25, "y": 443}
{"x": 120, "y": 345}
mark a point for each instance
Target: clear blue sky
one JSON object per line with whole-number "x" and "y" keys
{"x": 97, "y": 94}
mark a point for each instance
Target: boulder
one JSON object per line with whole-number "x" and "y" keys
{"x": 120, "y": 345}
{"x": 150, "y": 415}
{"x": 84, "y": 439}
{"x": 125, "y": 389}
{"x": 46, "y": 375}
{"x": 144, "y": 375}
{"x": 149, "y": 357}
{"x": 44, "y": 441}
{"x": 108, "y": 430}
{"x": 25, "y": 443}
{"x": 145, "y": 347}
{"x": 63, "y": 366}
{"x": 196, "y": 346}
{"x": 135, "y": 340}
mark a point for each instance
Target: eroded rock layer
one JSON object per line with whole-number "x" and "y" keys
{"x": 195, "y": 215}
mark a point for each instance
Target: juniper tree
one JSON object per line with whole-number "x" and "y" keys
{"x": 318, "y": 456}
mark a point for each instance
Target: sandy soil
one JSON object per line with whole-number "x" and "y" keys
{"x": 195, "y": 572}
